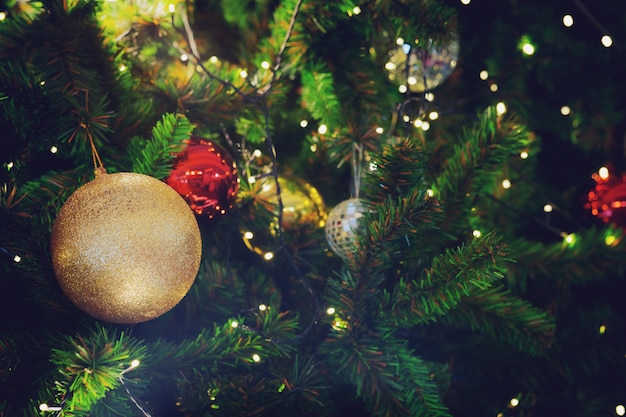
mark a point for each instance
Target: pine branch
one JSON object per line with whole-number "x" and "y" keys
{"x": 452, "y": 277}
{"x": 503, "y": 316}
{"x": 155, "y": 157}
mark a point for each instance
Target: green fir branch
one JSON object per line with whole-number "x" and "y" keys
{"x": 452, "y": 277}
{"x": 156, "y": 156}
{"x": 504, "y": 316}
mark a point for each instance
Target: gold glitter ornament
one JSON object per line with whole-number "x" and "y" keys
{"x": 126, "y": 247}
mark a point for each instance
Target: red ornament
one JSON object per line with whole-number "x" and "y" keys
{"x": 607, "y": 200}
{"x": 206, "y": 176}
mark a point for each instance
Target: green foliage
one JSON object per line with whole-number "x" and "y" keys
{"x": 156, "y": 156}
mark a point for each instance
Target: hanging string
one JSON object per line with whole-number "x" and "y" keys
{"x": 356, "y": 164}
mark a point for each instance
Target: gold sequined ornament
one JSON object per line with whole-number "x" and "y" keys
{"x": 303, "y": 210}
{"x": 126, "y": 247}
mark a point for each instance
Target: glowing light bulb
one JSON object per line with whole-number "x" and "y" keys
{"x": 425, "y": 125}
{"x": 243, "y": 74}
{"x": 493, "y": 87}
{"x": 356, "y": 10}
{"x": 610, "y": 240}
{"x": 523, "y": 155}
{"x": 330, "y": 311}
{"x": 417, "y": 122}
{"x": 313, "y": 147}
{"x": 234, "y": 324}
{"x": 433, "y": 115}
{"x": 430, "y": 192}
{"x": 54, "y": 149}
{"x": 514, "y": 402}
{"x": 506, "y": 183}
{"x": 568, "y": 20}
{"x": 265, "y": 65}
{"x": 268, "y": 256}
{"x": 256, "y": 358}
{"x": 9, "y": 165}
{"x": 548, "y": 208}
{"x": 477, "y": 233}
{"x": 570, "y": 239}
{"x": 429, "y": 96}
{"x": 304, "y": 123}
{"x": 607, "y": 41}
{"x": 213, "y": 59}
{"x": 380, "y": 130}
{"x": 262, "y": 307}
{"x": 184, "y": 57}
{"x": 122, "y": 68}
{"x": 602, "y": 329}
{"x": 171, "y": 7}
{"x": 400, "y": 41}
{"x": 3, "y": 16}
{"x": 603, "y": 172}
{"x": 135, "y": 363}
{"x": 500, "y": 108}
{"x": 322, "y": 129}
{"x": 565, "y": 110}
{"x": 528, "y": 49}
{"x": 465, "y": 2}
{"x": 403, "y": 88}
{"x": 248, "y": 235}
{"x": 17, "y": 258}
{"x": 483, "y": 75}
{"x": 620, "y": 410}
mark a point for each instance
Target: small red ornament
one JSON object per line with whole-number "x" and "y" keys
{"x": 205, "y": 175}
{"x": 607, "y": 200}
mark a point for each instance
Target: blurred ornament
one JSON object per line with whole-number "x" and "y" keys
{"x": 125, "y": 247}
{"x": 422, "y": 68}
{"x": 607, "y": 200}
{"x": 303, "y": 210}
{"x": 206, "y": 176}
{"x": 342, "y": 224}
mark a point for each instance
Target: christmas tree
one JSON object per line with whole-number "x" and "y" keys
{"x": 310, "y": 208}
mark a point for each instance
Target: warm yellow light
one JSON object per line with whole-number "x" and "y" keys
{"x": 418, "y": 123}
{"x": 500, "y": 108}
{"x": 268, "y": 256}
{"x": 3, "y": 15}
{"x": 483, "y": 75}
{"x": 322, "y": 129}
{"x": 506, "y": 183}
{"x": 602, "y": 329}
{"x": 262, "y": 307}
{"x": 330, "y": 311}
{"x": 234, "y": 324}
{"x": 411, "y": 80}
{"x": 547, "y": 208}
{"x": 620, "y": 410}
{"x": 429, "y": 96}
{"x": 466, "y": 2}
{"x": 493, "y": 87}
{"x": 607, "y": 41}
{"x": 17, "y": 258}
{"x": 184, "y": 57}
{"x": 430, "y": 192}
{"x": 523, "y": 155}
{"x": 256, "y": 358}
{"x": 603, "y": 172}
{"x": 528, "y": 48}
{"x": 54, "y": 149}
{"x": 565, "y": 110}
{"x": 425, "y": 125}
{"x": 400, "y": 41}
{"x": 171, "y": 7}
{"x": 514, "y": 402}
{"x": 313, "y": 147}
{"x": 9, "y": 165}
{"x": 304, "y": 123}
{"x": 403, "y": 89}
{"x": 433, "y": 115}
{"x": 568, "y": 20}
{"x": 477, "y": 233}
{"x": 135, "y": 363}
{"x": 380, "y": 130}
{"x": 610, "y": 240}
{"x": 265, "y": 65}
{"x": 570, "y": 239}
{"x": 243, "y": 74}
{"x": 122, "y": 67}
{"x": 356, "y": 10}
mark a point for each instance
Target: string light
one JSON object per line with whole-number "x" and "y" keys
{"x": 548, "y": 208}
{"x": 46, "y": 407}
{"x": 243, "y": 74}
{"x": 403, "y": 89}
{"x": 429, "y": 96}
{"x": 514, "y": 402}
{"x": 268, "y": 256}
{"x": 425, "y": 125}
{"x": 523, "y": 155}
{"x": 607, "y": 41}
{"x": 380, "y": 130}
{"x": 400, "y": 41}
{"x": 566, "y": 110}
{"x": 256, "y": 358}
{"x": 528, "y": 48}
{"x": 620, "y": 410}
{"x": 171, "y": 7}
{"x": 262, "y": 307}
{"x": 506, "y": 183}
{"x": 184, "y": 57}
{"x": 430, "y": 192}
{"x": 234, "y": 324}
{"x": 493, "y": 87}
{"x": 433, "y": 115}
{"x": 304, "y": 123}
{"x": 483, "y": 75}
{"x": 54, "y": 149}
{"x": 603, "y": 172}
{"x": 568, "y": 20}
{"x": 322, "y": 129}
{"x": 602, "y": 329}
{"x": 356, "y": 10}
{"x": 330, "y": 311}
{"x": 500, "y": 108}
{"x": 477, "y": 233}
{"x": 465, "y": 2}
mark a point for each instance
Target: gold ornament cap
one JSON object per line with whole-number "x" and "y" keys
{"x": 126, "y": 247}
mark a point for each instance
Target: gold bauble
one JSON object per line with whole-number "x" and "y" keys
{"x": 126, "y": 247}
{"x": 303, "y": 210}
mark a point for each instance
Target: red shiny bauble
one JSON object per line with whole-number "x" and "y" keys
{"x": 206, "y": 176}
